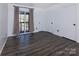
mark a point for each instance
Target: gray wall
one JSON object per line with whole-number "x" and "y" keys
{"x": 3, "y": 24}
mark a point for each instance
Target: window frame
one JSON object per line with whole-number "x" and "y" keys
{"x": 25, "y": 23}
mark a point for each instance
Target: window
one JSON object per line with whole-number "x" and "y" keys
{"x": 23, "y": 22}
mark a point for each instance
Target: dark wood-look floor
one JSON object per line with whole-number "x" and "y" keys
{"x": 40, "y": 44}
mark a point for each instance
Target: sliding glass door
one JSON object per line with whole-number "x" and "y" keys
{"x": 23, "y": 22}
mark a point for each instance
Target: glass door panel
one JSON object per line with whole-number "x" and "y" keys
{"x": 23, "y": 22}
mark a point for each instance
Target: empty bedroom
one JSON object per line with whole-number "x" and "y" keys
{"x": 39, "y": 29}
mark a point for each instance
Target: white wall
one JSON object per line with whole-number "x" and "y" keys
{"x": 3, "y": 24}
{"x": 38, "y": 19}
{"x": 77, "y": 22}
{"x": 42, "y": 21}
{"x": 37, "y": 14}
{"x": 68, "y": 14}
{"x": 10, "y": 19}
{"x": 63, "y": 19}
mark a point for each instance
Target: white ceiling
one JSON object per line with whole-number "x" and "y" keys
{"x": 43, "y": 5}
{"x": 38, "y": 5}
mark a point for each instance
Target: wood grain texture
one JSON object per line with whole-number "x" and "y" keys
{"x": 40, "y": 44}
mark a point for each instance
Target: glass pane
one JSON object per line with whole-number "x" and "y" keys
{"x": 26, "y": 26}
{"x": 26, "y": 18}
{"x": 22, "y": 16}
{"x": 22, "y": 26}
{"x": 23, "y": 22}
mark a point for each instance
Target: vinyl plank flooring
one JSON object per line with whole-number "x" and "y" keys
{"x": 40, "y": 44}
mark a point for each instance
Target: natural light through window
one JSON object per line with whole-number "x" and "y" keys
{"x": 23, "y": 22}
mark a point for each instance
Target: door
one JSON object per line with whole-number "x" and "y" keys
{"x": 23, "y": 22}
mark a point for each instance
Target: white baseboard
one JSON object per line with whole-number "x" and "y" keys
{"x": 21, "y": 33}
{"x": 77, "y": 41}
{"x": 2, "y": 43}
